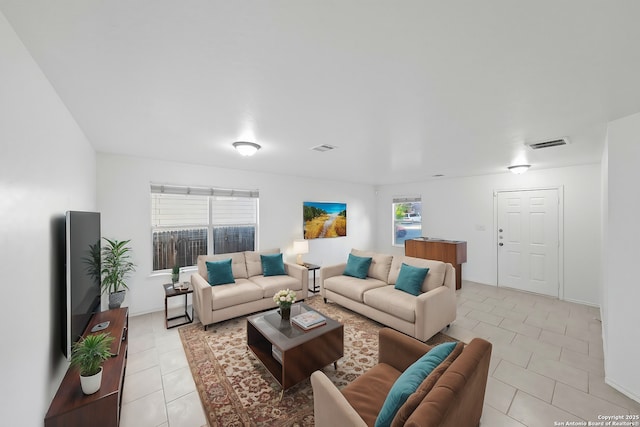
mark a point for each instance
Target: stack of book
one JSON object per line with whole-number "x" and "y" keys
{"x": 276, "y": 353}
{"x": 308, "y": 320}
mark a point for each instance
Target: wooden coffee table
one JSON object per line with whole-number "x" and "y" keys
{"x": 302, "y": 352}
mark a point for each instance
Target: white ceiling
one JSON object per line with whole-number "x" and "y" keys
{"x": 405, "y": 89}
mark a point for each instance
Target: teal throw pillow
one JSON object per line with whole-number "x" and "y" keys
{"x": 410, "y": 279}
{"x": 357, "y": 266}
{"x": 410, "y": 380}
{"x": 272, "y": 265}
{"x": 220, "y": 272}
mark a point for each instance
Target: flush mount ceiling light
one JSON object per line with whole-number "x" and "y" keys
{"x": 324, "y": 147}
{"x": 246, "y": 148}
{"x": 519, "y": 169}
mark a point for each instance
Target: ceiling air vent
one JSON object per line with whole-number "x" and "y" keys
{"x": 548, "y": 144}
{"x": 324, "y": 147}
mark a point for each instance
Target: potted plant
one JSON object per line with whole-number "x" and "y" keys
{"x": 116, "y": 267}
{"x": 88, "y": 354}
{"x": 175, "y": 274}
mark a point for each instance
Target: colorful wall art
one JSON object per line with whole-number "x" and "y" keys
{"x": 324, "y": 219}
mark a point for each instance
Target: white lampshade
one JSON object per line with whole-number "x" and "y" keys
{"x": 300, "y": 247}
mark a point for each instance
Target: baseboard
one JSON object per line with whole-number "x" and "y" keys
{"x": 621, "y": 389}
{"x": 590, "y": 304}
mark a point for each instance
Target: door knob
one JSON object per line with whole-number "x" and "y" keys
{"x": 500, "y": 244}
{"x": 500, "y": 230}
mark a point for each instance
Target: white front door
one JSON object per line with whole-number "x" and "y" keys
{"x": 528, "y": 240}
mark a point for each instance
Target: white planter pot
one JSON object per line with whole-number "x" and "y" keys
{"x": 91, "y": 384}
{"x": 116, "y": 299}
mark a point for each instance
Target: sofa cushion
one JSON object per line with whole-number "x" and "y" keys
{"x": 425, "y": 387}
{"x": 272, "y": 284}
{"x": 434, "y": 278}
{"x": 367, "y": 393}
{"x": 357, "y": 266}
{"x": 410, "y": 380}
{"x": 238, "y": 265}
{"x": 392, "y": 301}
{"x": 272, "y": 265}
{"x": 230, "y": 295}
{"x": 254, "y": 262}
{"x": 352, "y": 287}
{"x": 219, "y": 272}
{"x": 380, "y": 264}
{"x": 410, "y": 279}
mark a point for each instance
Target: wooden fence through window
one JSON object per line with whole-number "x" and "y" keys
{"x": 233, "y": 239}
{"x": 182, "y": 247}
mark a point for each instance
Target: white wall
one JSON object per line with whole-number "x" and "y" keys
{"x": 125, "y": 204}
{"x": 622, "y": 232}
{"x": 46, "y": 168}
{"x": 463, "y": 209}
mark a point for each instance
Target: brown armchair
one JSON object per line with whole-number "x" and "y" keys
{"x": 452, "y": 395}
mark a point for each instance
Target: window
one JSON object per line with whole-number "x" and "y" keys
{"x": 407, "y": 219}
{"x": 188, "y": 221}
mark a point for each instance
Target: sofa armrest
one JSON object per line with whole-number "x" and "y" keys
{"x": 435, "y": 310}
{"x": 330, "y": 407}
{"x": 202, "y": 299}
{"x": 450, "y": 277}
{"x": 399, "y": 350}
{"x": 330, "y": 271}
{"x": 298, "y": 272}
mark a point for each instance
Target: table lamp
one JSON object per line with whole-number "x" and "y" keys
{"x": 300, "y": 247}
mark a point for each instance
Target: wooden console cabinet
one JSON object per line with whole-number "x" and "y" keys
{"x": 452, "y": 251}
{"x": 70, "y": 407}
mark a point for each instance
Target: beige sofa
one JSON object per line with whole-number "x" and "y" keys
{"x": 251, "y": 291}
{"x": 451, "y": 396}
{"x": 375, "y": 296}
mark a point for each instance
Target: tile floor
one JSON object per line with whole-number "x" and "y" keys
{"x": 546, "y": 365}
{"x": 158, "y": 388}
{"x": 547, "y": 360}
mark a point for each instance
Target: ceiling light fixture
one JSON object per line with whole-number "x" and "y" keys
{"x": 519, "y": 169}
{"x": 324, "y": 147}
{"x": 246, "y": 148}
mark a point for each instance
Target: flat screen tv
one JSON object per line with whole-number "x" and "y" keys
{"x": 82, "y": 293}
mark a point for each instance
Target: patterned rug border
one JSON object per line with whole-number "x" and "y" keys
{"x": 236, "y": 390}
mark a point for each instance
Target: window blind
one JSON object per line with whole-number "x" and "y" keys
{"x": 407, "y": 199}
{"x": 202, "y": 191}
{"x": 233, "y": 210}
{"x": 171, "y": 210}
{"x": 184, "y": 206}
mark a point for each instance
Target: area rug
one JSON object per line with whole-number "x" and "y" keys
{"x": 236, "y": 390}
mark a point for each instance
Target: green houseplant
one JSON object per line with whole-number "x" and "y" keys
{"x": 88, "y": 354}
{"x": 116, "y": 267}
{"x": 175, "y": 274}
